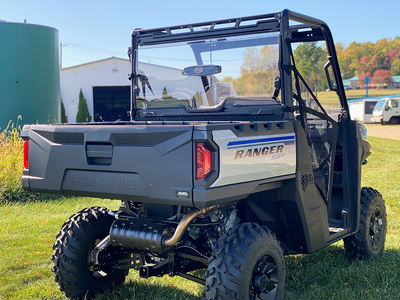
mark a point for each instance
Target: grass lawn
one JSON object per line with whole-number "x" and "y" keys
{"x": 359, "y": 93}
{"x": 28, "y": 230}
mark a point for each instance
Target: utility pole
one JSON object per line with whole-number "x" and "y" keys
{"x": 60, "y": 56}
{"x": 61, "y": 47}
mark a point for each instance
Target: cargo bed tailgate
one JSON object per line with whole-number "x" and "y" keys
{"x": 128, "y": 162}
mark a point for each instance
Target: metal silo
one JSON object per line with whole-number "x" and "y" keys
{"x": 29, "y": 74}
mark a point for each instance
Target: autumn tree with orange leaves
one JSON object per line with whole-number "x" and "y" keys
{"x": 364, "y": 59}
{"x": 257, "y": 72}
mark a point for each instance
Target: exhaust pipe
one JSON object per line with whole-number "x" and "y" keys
{"x": 188, "y": 218}
{"x": 141, "y": 234}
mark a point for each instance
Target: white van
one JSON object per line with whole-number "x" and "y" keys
{"x": 387, "y": 111}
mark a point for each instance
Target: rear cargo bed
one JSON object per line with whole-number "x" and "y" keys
{"x": 129, "y": 162}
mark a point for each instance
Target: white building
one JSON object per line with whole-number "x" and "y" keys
{"x": 106, "y": 87}
{"x": 92, "y": 78}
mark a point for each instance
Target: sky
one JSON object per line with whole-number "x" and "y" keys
{"x": 94, "y": 30}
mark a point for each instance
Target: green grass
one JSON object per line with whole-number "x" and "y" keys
{"x": 28, "y": 230}
{"x": 359, "y": 93}
{"x": 328, "y": 274}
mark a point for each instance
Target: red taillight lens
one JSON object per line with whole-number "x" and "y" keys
{"x": 203, "y": 161}
{"x": 26, "y": 154}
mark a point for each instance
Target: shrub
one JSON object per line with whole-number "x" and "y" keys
{"x": 11, "y": 166}
{"x": 11, "y": 162}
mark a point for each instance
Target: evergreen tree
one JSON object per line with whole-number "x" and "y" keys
{"x": 165, "y": 93}
{"x": 198, "y": 99}
{"x": 62, "y": 112}
{"x": 83, "y": 114}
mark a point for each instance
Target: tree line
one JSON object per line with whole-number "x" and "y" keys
{"x": 379, "y": 61}
{"x": 257, "y": 73}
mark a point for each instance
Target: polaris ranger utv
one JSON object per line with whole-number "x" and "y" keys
{"x": 229, "y": 162}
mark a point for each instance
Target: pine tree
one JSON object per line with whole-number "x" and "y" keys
{"x": 198, "y": 99}
{"x": 62, "y": 112}
{"x": 165, "y": 93}
{"x": 83, "y": 114}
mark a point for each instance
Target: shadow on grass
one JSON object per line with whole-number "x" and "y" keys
{"x": 151, "y": 289}
{"x": 325, "y": 274}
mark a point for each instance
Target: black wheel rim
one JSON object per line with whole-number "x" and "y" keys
{"x": 265, "y": 279}
{"x": 103, "y": 273}
{"x": 376, "y": 228}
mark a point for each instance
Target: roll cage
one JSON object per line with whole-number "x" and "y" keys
{"x": 292, "y": 27}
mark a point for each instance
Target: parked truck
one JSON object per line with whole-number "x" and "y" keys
{"x": 361, "y": 109}
{"x": 230, "y": 185}
{"x": 386, "y": 111}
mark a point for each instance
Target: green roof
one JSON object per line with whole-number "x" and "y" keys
{"x": 346, "y": 82}
{"x": 353, "y": 78}
{"x": 396, "y": 78}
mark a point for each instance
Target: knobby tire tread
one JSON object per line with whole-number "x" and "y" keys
{"x": 357, "y": 245}
{"x": 67, "y": 251}
{"x": 224, "y": 275}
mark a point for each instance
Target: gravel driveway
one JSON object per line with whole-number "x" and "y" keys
{"x": 384, "y": 131}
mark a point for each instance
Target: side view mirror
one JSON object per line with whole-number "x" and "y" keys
{"x": 202, "y": 70}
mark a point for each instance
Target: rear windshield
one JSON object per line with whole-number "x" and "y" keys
{"x": 202, "y": 74}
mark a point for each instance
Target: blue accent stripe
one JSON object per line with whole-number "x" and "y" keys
{"x": 264, "y": 140}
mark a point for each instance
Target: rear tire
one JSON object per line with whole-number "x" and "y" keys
{"x": 369, "y": 241}
{"x": 247, "y": 263}
{"x": 72, "y": 255}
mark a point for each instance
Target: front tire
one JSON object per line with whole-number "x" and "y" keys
{"x": 369, "y": 241}
{"x": 73, "y": 255}
{"x": 247, "y": 263}
{"x": 393, "y": 121}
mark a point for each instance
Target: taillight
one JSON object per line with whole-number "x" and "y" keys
{"x": 26, "y": 154}
{"x": 203, "y": 161}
